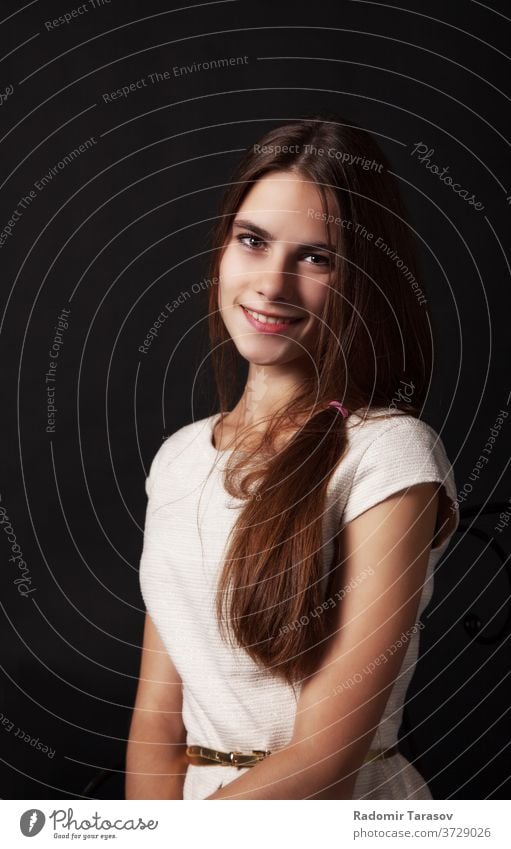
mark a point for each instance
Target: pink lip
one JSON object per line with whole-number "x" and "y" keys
{"x": 267, "y": 328}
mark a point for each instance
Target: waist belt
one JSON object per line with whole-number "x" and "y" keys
{"x": 202, "y": 756}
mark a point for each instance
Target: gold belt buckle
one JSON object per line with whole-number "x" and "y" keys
{"x": 233, "y": 758}
{"x": 241, "y": 759}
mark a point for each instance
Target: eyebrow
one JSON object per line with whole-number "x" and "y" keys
{"x": 244, "y": 223}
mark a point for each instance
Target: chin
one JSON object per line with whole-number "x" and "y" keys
{"x": 258, "y": 358}
{"x": 261, "y": 353}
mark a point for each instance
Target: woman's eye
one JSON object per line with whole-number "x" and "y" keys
{"x": 323, "y": 260}
{"x": 243, "y": 240}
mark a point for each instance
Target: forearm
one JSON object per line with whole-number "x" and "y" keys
{"x": 155, "y": 764}
{"x": 296, "y": 772}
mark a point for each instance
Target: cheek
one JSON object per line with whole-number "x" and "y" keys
{"x": 231, "y": 266}
{"x": 230, "y": 274}
{"x": 313, "y": 295}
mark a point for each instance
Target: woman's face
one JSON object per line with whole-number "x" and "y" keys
{"x": 276, "y": 263}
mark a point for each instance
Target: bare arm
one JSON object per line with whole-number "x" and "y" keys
{"x": 335, "y": 724}
{"x": 155, "y": 762}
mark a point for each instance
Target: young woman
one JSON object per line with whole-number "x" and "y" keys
{"x": 291, "y": 538}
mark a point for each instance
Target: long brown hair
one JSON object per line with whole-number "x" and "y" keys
{"x": 373, "y": 335}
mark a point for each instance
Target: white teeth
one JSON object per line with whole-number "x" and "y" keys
{"x": 265, "y": 319}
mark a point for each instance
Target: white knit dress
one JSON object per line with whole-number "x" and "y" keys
{"x": 229, "y": 703}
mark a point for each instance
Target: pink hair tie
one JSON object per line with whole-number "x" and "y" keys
{"x": 337, "y": 404}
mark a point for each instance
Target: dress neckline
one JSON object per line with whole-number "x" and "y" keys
{"x": 212, "y": 421}
{"x": 216, "y": 417}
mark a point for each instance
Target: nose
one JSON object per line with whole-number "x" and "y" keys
{"x": 276, "y": 278}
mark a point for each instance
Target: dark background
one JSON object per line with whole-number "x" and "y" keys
{"x": 122, "y": 230}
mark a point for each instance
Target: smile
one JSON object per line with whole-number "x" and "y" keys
{"x": 268, "y": 324}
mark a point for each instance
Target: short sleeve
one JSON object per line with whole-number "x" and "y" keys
{"x": 404, "y": 453}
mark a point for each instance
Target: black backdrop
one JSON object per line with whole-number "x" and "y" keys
{"x": 119, "y": 229}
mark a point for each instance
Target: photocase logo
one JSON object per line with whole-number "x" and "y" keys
{"x": 31, "y": 822}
